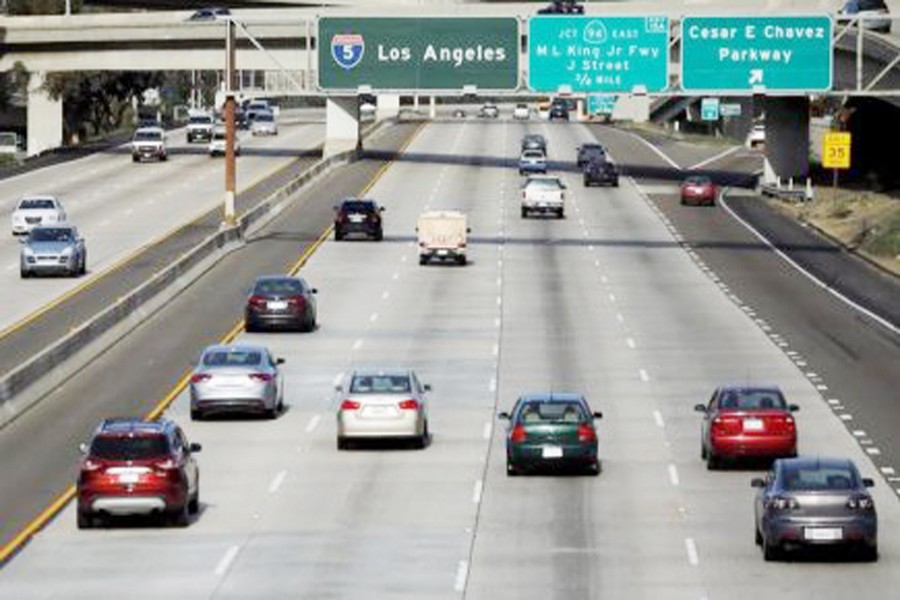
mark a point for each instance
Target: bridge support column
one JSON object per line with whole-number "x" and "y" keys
{"x": 787, "y": 140}
{"x": 388, "y": 106}
{"x": 432, "y": 107}
{"x": 341, "y": 124}
{"x": 45, "y": 117}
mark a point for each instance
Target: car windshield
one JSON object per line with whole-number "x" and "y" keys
{"x": 147, "y": 136}
{"x": 358, "y": 206}
{"x": 380, "y": 384}
{"x": 129, "y": 448}
{"x": 55, "y": 234}
{"x": 201, "y": 120}
{"x": 219, "y": 134}
{"x": 278, "y": 287}
{"x": 552, "y": 412}
{"x": 819, "y": 479}
{"x": 698, "y": 181}
{"x": 37, "y": 203}
{"x": 544, "y": 184}
{"x": 232, "y": 358}
{"x": 749, "y": 399}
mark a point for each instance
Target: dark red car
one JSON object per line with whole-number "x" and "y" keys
{"x": 747, "y": 421}
{"x": 698, "y": 189}
{"x": 279, "y": 301}
{"x": 134, "y": 467}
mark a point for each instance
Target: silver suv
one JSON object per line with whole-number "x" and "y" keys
{"x": 53, "y": 250}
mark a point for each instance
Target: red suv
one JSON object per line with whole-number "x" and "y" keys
{"x": 134, "y": 467}
{"x": 747, "y": 421}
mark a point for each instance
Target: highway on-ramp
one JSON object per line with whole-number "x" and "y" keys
{"x": 606, "y": 302}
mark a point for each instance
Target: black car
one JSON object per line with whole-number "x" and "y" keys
{"x": 278, "y": 301}
{"x": 534, "y": 141}
{"x": 209, "y": 14}
{"x": 358, "y": 216}
{"x": 558, "y": 113}
{"x": 562, "y": 7}
{"x": 589, "y": 152}
{"x": 601, "y": 171}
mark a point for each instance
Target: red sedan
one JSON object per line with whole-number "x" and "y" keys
{"x": 747, "y": 421}
{"x": 698, "y": 189}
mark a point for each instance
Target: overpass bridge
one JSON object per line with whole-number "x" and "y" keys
{"x": 282, "y": 44}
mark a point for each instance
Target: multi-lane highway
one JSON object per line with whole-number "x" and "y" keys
{"x": 613, "y": 301}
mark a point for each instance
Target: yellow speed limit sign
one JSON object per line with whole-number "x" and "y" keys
{"x": 836, "y": 150}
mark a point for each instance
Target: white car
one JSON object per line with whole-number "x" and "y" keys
{"x": 217, "y": 143}
{"x": 756, "y": 136}
{"x": 264, "y": 124}
{"x": 148, "y": 143}
{"x": 873, "y": 15}
{"x": 490, "y": 111}
{"x": 543, "y": 194}
{"x": 521, "y": 112}
{"x": 32, "y": 211}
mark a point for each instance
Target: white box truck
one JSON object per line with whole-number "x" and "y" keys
{"x": 442, "y": 236}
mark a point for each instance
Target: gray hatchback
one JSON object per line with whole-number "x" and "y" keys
{"x": 811, "y": 501}
{"x": 53, "y": 250}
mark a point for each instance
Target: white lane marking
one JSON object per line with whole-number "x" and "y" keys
{"x": 612, "y": 297}
{"x": 225, "y": 562}
{"x": 691, "y": 548}
{"x": 603, "y": 279}
{"x": 313, "y": 423}
{"x": 887, "y": 470}
{"x": 883, "y": 322}
{"x": 499, "y": 281}
{"x": 462, "y": 573}
{"x": 277, "y": 481}
{"x": 859, "y": 433}
{"x": 597, "y": 263}
{"x": 497, "y": 322}
{"x": 492, "y": 386}
{"x": 591, "y": 247}
{"x": 495, "y": 350}
{"x": 659, "y": 152}
{"x": 337, "y": 379}
{"x": 657, "y": 416}
{"x": 833, "y": 401}
{"x": 711, "y": 159}
{"x": 385, "y": 295}
{"x": 630, "y": 342}
{"x": 644, "y": 376}
{"x": 673, "y": 474}
{"x": 476, "y": 492}
{"x": 357, "y": 344}
{"x": 846, "y": 417}
{"x": 620, "y": 318}
{"x": 395, "y": 276}
{"x": 487, "y": 430}
{"x": 499, "y": 301}
{"x": 403, "y": 258}
{"x": 873, "y": 451}
{"x": 373, "y": 318}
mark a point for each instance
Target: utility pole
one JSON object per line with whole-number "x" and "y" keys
{"x": 230, "y": 167}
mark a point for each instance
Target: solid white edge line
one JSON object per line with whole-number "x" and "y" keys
{"x": 337, "y": 379}
{"x": 462, "y": 573}
{"x": 673, "y": 475}
{"x": 357, "y": 344}
{"x": 659, "y": 152}
{"x": 712, "y": 159}
{"x": 492, "y": 385}
{"x": 225, "y": 562}
{"x": 691, "y": 548}
{"x": 881, "y": 320}
{"x": 277, "y": 481}
{"x": 487, "y": 430}
{"x": 313, "y": 423}
{"x": 476, "y": 491}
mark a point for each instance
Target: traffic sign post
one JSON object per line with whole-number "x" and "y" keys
{"x": 836, "y": 155}
{"x": 598, "y": 54}
{"x": 756, "y": 54}
{"x": 406, "y": 54}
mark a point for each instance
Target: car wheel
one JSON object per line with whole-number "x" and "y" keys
{"x": 511, "y": 469}
{"x": 249, "y": 327}
{"x": 196, "y": 414}
{"x": 24, "y": 273}
{"x": 461, "y": 261}
{"x": 702, "y": 451}
{"x": 421, "y": 442}
{"x": 561, "y": 214}
{"x": 594, "y": 468}
{"x": 343, "y": 443}
{"x": 338, "y": 236}
{"x": 194, "y": 503}
{"x": 135, "y": 159}
{"x": 712, "y": 461}
{"x": 271, "y": 413}
{"x": 85, "y": 519}
{"x": 379, "y": 235}
{"x": 180, "y": 517}
{"x": 83, "y": 269}
{"x": 771, "y": 552}
{"x": 615, "y": 183}
{"x": 869, "y": 553}
{"x": 524, "y": 213}
{"x": 423, "y": 259}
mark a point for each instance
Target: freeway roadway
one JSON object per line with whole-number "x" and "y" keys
{"x": 608, "y": 302}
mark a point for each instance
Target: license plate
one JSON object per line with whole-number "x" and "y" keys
{"x": 442, "y": 252}
{"x": 129, "y": 477}
{"x": 277, "y": 305}
{"x": 823, "y": 534}
{"x": 357, "y": 218}
{"x": 753, "y": 425}
{"x": 551, "y": 452}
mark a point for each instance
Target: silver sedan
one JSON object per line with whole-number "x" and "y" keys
{"x": 53, "y": 250}
{"x": 382, "y": 403}
{"x": 237, "y": 378}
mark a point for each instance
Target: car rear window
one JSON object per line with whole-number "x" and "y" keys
{"x": 380, "y": 384}
{"x": 358, "y": 206}
{"x": 278, "y": 287}
{"x": 265, "y": 117}
{"x": 54, "y": 234}
{"x": 37, "y": 203}
{"x": 129, "y": 448}
{"x": 532, "y": 154}
{"x": 201, "y": 120}
{"x": 819, "y": 479}
{"x": 752, "y": 400}
{"x": 552, "y": 412}
{"x": 232, "y": 358}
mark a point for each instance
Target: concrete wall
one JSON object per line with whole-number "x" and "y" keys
{"x": 787, "y": 138}
{"x": 341, "y": 125}
{"x": 45, "y": 118}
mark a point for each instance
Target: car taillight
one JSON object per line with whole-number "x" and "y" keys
{"x": 342, "y": 217}
{"x": 586, "y": 433}
{"x": 350, "y": 405}
{"x": 90, "y": 466}
{"x": 726, "y": 426}
{"x": 260, "y": 376}
{"x": 296, "y": 300}
{"x": 783, "y": 503}
{"x": 200, "y": 377}
{"x": 460, "y": 244}
{"x": 861, "y": 503}
{"x": 408, "y": 405}
{"x": 257, "y": 302}
{"x": 518, "y": 434}
{"x": 782, "y": 424}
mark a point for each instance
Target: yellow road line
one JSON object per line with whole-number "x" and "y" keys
{"x": 36, "y": 524}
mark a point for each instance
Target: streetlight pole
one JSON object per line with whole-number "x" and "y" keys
{"x": 230, "y": 167}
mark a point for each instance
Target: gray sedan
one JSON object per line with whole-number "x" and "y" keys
{"x": 806, "y": 502}
{"x": 383, "y": 403}
{"x": 237, "y": 378}
{"x": 57, "y": 249}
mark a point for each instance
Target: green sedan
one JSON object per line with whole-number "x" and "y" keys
{"x": 551, "y": 430}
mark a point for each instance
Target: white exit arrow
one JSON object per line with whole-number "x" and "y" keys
{"x": 756, "y": 76}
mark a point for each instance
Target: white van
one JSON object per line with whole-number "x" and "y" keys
{"x": 442, "y": 236}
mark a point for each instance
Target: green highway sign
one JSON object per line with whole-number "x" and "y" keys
{"x": 603, "y": 104}
{"x": 418, "y": 53}
{"x": 598, "y": 54}
{"x": 756, "y": 54}
{"x": 709, "y": 109}
{"x": 730, "y": 110}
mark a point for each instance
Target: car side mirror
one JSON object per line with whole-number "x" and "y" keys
{"x": 758, "y": 482}
{"x": 336, "y": 207}
{"x": 339, "y": 388}
{"x": 503, "y": 415}
{"x": 868, "y": 482}
{"x": 468, "y": 230}
{"x": 793, "y": 407}
{"x": 195, "y": 447}
{"x": 597, "y": 415}
{"x": 83, "y": 448}
{"x": 381, "y": 209}
{"x": 313, "y": 291}
{"x": 427, "y": 387}
{"x": 700, "y": 408}
{"x": 279, "y": 361}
